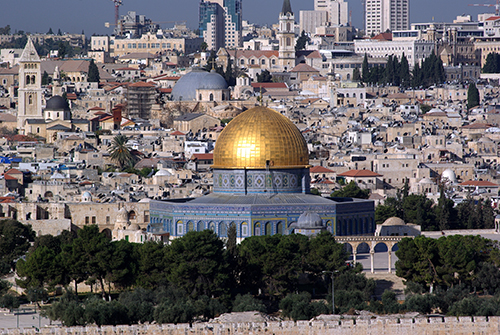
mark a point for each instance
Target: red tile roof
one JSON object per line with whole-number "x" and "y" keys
{"x": 479, "y": 183}
{"x": 176, "y": 133}
{"x": 203, "y": 156}
{"x": 142, "y": 84}
{"x": 359, "y": 174}
{"x": 320, "y": 169}
{"x": 253, "y": 53}
{"x": 13, "y": 171}
{"x": 383, "y": 37}
{"x": 269, "y": 85}
{"x": 478, "y": 126}
{"x": 302, "y": 67}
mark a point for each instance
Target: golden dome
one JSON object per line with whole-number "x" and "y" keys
{"x": 258, "y": 135}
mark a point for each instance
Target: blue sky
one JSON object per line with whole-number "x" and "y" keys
{"x": 73, "y": 16}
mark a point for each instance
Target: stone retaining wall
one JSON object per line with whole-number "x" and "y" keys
{"x": 374, "y": 326}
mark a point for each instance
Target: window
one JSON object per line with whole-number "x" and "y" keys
{"x": 107, "y": 219}
{"x": 87, "y": 220}
{"x": 179, "y": 228}
{"x": 93, "y": 220}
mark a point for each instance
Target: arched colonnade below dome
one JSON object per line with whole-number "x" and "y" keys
{"x": 244, "y": 228}
{"x": 372, "y": 242}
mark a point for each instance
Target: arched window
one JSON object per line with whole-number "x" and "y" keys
{"x": 27, "y": 80}
{"x": 242, "y": 62}
{"x": 211, "y": 226}
{"x": 180, "y": 227}
{"x": 256, "y": 230}
{"x": 269, "y": 229}
{"x": 132, "y": 215}
{"x": 263, "y": 62}
{"x": 222, "y": 229}
{"x": 279, "y": 228}
{"x": 252, "y": 62}
{"x": 200, "y": 97}
{"x": 211, "y": 97}
{"x": 244, "y": 229}
{"x": 32, "y": 79}
{"x": 288, "y": 26}
{"x": 288, "y": 41}
{"x": 190, "y": 226}
{"x": 30, "y": 99}
{"x": 348, "y": 76}
{"x": 223, "y": 97}
{"x": 201, "y": 226}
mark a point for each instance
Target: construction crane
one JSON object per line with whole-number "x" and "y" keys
{"x": 117, "y": 3}
{"x": 497, "y": 6}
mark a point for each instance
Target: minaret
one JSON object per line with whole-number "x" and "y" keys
{"x": 332, "y": 87}
{"x": 56, "y": 83}
{"x": 30, "y": 87}
{"x": 286, "y": 37}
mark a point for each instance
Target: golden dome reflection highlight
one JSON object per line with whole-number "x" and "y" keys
{"x": 257, "y": 136}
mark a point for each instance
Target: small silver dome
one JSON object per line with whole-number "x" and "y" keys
{"x": 308, "y": 220}
{"x": 185, "y": 89}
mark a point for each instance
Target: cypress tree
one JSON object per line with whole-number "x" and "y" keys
{"x": 472, "y": 96}
{"x": 365, "y": 70}
{"x": 93, "y": 76}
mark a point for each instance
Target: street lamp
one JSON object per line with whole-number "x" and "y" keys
{"x": 333, "y": 288}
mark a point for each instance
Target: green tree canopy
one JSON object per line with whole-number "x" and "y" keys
{"x": 492, "y": 64}
{"x": 264, "y": 77}
{"x": 302, "y": 41}
{"x": 15, "y": 241}
{"x": 195, "y": 264}
{"x": 351, "y": 190}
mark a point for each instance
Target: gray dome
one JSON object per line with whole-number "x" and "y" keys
{"x": 57, "y": 103}
{"x": 186, "y": 87}
{"x": 308, "y": 220}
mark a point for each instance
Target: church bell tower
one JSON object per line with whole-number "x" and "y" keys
{"x": 30, "y": 87}
{"x": 286, "y": 37}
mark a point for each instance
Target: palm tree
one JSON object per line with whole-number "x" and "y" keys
{"x": 120, "y": 153}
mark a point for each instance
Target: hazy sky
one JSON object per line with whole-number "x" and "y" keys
{"x": 73, "y": 16}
